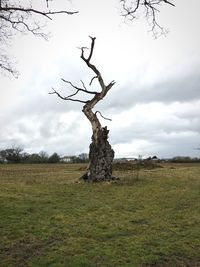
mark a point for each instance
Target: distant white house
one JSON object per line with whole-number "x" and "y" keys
{"x": 66, "y": 159}
{"x": 73, "y": 159}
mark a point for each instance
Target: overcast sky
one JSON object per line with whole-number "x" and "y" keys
{"x": 154, "y": 105}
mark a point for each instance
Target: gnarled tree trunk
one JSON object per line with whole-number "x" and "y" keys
{"x": 101, "y": 157}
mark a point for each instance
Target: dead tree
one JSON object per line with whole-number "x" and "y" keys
{"x": 101, "y": 153}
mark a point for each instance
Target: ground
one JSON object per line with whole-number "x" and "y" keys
{"x": 148, "y": 218}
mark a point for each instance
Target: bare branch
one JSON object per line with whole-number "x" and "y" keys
{"x": 24, "y": 19}
{"x": 102, "y": 116}
{"x": 169, "y": 3}
{"x": 35, "y": 11}
{"x": 133, "y": 9}
{"x": 95, "y": 77}
{"x": 130, "y": 10}
{"x": 78, "y": 88}
{"x": 6, "y": 66}
{"x": 66, "y": 98}
{"x": 92, "y": 47}
{"x": 84, "y": 85}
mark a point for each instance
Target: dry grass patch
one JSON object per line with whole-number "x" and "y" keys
{"x": 47, "y": 219}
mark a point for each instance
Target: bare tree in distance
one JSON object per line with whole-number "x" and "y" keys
{"x": 101, "y": 153}
{"x": 23, "y": 18}
{"x": 133, "y": 9}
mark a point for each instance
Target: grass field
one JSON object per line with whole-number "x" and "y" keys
{"x": 150, "y": 218}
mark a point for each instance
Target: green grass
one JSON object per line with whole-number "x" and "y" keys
{"x": 48, "y": 219}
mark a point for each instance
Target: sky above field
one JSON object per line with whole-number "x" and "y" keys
{"x": 154, "y": 105}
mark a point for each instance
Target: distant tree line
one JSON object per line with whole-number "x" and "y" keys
{"x": 181, "y": 159}
{"x": 17, "y": 155}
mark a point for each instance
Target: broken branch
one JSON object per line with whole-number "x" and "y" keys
{"x": 95, "y": 77}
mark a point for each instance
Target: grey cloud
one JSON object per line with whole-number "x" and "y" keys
{"x": 49, "y": 132}
{"x": 164, "y": 145}
{"x": 182, "y": 89}
{"x": 153, "y": 131}
{"x": 168, "y": 134}
{"x": 183, "y": 143}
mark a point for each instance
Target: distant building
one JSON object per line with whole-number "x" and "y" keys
{"x": 66, "y": 159}
{"x": 83, "y": 156}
